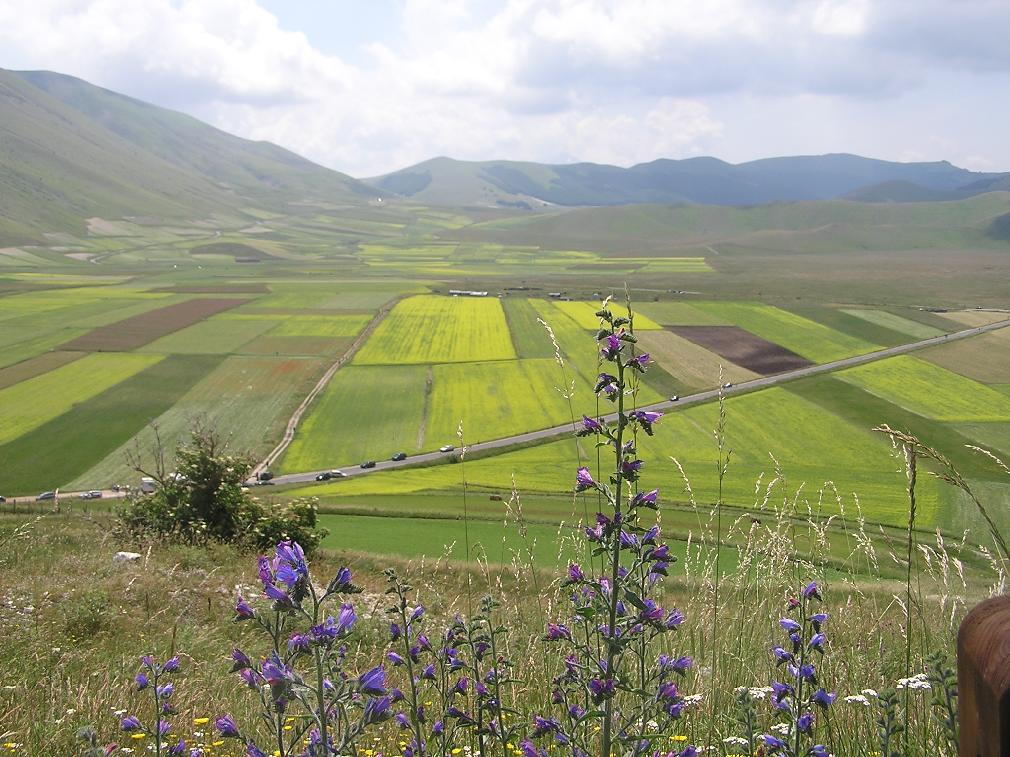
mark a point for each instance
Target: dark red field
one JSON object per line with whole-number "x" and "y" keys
{"x": 142, "y": 329}
{"x": 743, "y": 348}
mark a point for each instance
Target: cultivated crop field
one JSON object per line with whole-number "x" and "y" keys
{"x": 440, "y": 330}
{"x": 168, "y": 338}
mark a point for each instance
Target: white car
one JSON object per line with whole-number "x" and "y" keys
{"x": 93, "y": 494}
{"x": 446, "y": 448}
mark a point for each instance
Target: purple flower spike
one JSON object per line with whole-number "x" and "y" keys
{"x": 130, "y": 723}
{"x": 611, "y": 347}
{"x": 575, "y": 573}
{"x": 394, "y": 658}
{"x": 810, "y": 591}
{"x": 789, "y": 625}
{"x": 602, "y": 689}
{"x": 141, "y": 680}
{"x": 226, "y": 727}
{"x": 591, "y": 426}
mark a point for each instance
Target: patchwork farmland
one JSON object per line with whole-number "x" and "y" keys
{"x": 237, "y": 347}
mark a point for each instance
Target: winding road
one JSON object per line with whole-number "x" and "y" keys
{"x": 353, "y": 469}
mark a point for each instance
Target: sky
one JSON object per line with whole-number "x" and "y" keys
{"x": 370, "y": 86}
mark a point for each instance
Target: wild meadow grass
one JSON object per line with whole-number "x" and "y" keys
{"x": 794, "y": 650}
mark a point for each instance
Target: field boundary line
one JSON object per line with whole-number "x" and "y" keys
{"x": 296, "y": 416}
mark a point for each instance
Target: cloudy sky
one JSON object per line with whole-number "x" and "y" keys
{"x": 368, "y": 86}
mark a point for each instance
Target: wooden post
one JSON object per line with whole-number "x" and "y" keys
{"x": 983, "y": 679}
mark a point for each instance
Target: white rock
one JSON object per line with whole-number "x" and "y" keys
{"x": 125, "y": 557}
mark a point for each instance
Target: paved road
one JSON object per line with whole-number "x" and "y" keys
{"x": 690, "y": 399}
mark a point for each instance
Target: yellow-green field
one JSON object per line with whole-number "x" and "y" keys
{"x": 29, "y": 404}
{"x": 895, "y": 322}
{"x": 929, "y": 390}
{"x": 584, "y": 314}
{"x": 430, "y": 329}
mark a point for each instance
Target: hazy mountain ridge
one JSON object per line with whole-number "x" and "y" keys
{"x": 70, "y": 150}
{"x": 704, "y": 180}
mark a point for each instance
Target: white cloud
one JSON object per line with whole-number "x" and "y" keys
{"x": 604, "y": 80}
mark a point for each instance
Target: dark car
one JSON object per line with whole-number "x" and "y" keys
{"x": 324, "y": 476}
{"x": 368, "y": 464}
{"x": 265, "y": 475}
{"x": 399, "y": 456}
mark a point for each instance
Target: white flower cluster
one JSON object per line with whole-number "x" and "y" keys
{"x": 919, "y": 681}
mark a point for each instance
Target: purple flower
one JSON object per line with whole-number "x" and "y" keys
{"x": 130, "y": 723}
{"x": 638, "y": 362}
{"x": 818, "y": 620}
{"x": 394, "y": 631}
{"x": 817, "y": 642}
{"x": 165, "y": 691}
{"x": 630, "y": 468}
{"x": 822, "y": 698}
{"x": 607, "y": 384}
{"x": 373, "y": 681}
{"x": 299, "y": 643}
{"x": 275, "y": 672}
{"x": 251, "y": 750}
{"x": 805, "y": 722}
{"x": 611, "y": 347}
{"x": 773, "y": 742}
{"x": 781, "y": 690}
{"x": 402, "y": 720}
{"x": 428, "y": 672}
{"x": 789, "y": 625}
{"x": 242, "y": 610}
{"x": 542, "y": 726}
{"x": 529, "y": 749}
{"x": 557, "y": 631}
{"x": 602, "y": 689}
{"x": 394, "y": 658}
{"x": 251, "y": 677}
{"x": 651, "y": 611}
{"x": 226, "y": 727}
{"x": 265, "y": 573}
{"x": 583, "y": 479}
{"x": 674, "y": 619}
{"x": 781, "y": 655}
{"x": 590, "y": 425}
{"x": 171, "y": 665}
{"x": 810, "y": 591}
{"x": 240, "y": 660}
{"x": 341, "y": 582}
{"x": 141, "y": 680}
{"x": 277, "y": 595}
{"x": 575, "y": 573}
{"x": 377, "y": 710}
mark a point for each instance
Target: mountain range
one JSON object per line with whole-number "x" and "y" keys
{"x": 70, "y": 151}
{"x": 703, "y": 180}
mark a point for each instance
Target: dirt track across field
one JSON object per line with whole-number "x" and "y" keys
{"x": 743, "y": 348}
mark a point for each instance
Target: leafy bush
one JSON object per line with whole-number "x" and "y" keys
{"x": 204, "y": 500}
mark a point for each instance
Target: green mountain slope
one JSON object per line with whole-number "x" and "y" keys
{"x": 709, "y": 181}
{"x": 70, "y": 151}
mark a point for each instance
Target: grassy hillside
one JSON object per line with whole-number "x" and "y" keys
{"x": 70, "y": 151}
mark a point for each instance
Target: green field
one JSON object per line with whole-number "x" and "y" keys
{"x": 29, "y": 404}
{"x": 801, "y": 335}
{"x": 895, "y": 322}
{"x": 929, "y": 390}
{"x": 248, "y": 400}
{"x": 214, "y": 336}
{"x": 365, "y": 412}
{"x": 429, "y": 329}
{"x": 584, "y": 314}
{"x": 98, "y": 428}
{"x": 495, "y": 400}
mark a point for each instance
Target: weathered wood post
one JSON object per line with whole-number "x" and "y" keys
{"x": 983, "y": 679}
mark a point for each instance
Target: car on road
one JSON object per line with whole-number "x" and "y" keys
{"x": 45, "y": 495}
{"x": 399, "y": 456}
{"x": 727, "y": 385}
{"x": 93, "y": 494}
{"x": 324, "y": 476}
{"x": 368, "y": 464}
{"x": 264, "y": 482}
{"x": 337, "y": 474}
{"x": 264, "y": 476}
{"x": 675, "y": 398}
{"x": 2, "y": 499}
{"x": 446, "y": 448}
